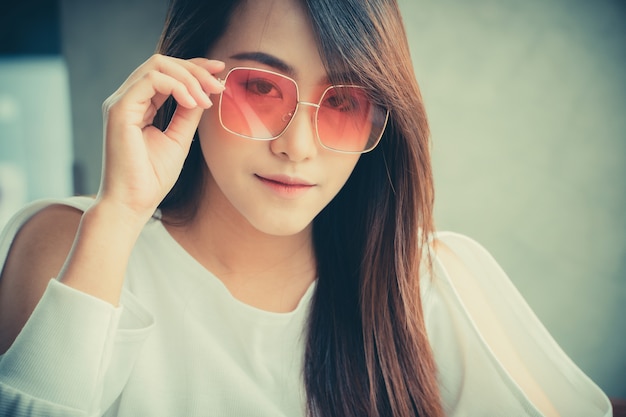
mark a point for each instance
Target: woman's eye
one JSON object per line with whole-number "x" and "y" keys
{"x": 263, "y": 88}
{"x": 342, "y": 102}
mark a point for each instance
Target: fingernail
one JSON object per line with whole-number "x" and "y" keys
{"x": 220, "y": 84}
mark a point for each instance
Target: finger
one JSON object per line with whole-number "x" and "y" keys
{"x": 146, "y": 95}
{"x": 182, "y": 74}
{"x": 183, "y": 125}
{"x": 148, "y": 117}
{"x": 211, "y": 65}
{"x": 204, "y": 70}
{"x": 195, "y": 74}
{"x": 176, "y": 68}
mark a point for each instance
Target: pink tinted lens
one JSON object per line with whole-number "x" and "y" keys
{"x": 347, "y": 120}
{"x": 257, "y": 104}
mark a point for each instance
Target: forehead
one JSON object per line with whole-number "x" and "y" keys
{"x": 277, "y": 27}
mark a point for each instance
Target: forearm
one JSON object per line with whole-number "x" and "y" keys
{"x": 59, "y": 359}
{"x": 104, "y": 241}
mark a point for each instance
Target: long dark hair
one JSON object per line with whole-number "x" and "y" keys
{"x": 367, "y": 351}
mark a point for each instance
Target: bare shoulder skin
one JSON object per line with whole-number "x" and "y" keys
{"x": 36, "y": 255}
{"x": 490, "y": 327}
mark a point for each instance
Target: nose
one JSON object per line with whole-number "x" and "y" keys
{"x": 298, "y": 142}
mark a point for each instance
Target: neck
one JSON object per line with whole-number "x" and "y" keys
{"x": 265, "y": 271}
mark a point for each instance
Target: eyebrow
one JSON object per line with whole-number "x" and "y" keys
{"x": 266, "y": 59}
{"x": 277, "y": 64}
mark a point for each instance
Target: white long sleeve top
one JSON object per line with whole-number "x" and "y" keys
{"x": 181, "y": 345}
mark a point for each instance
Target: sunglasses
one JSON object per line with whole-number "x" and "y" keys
{"x": 260, "y": 104}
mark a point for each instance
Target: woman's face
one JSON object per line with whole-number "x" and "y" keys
{"x": 277, "y": 186}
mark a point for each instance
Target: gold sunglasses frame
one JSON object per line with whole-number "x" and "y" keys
{"x": 292, "y": 115}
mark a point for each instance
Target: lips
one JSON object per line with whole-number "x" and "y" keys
{"x": 285, "y": 186}
{"x": 285, "y": 180}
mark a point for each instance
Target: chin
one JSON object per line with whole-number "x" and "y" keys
{"x": 282, "y": 227}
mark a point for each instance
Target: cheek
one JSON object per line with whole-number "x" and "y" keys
{"x": 217, "y": 144}
{"x": 218, "y": 151}
{"x": 209, "y": 125}
{"x": 341, "y": 169}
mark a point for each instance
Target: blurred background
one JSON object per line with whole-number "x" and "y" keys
{"x": 527, "y": 103}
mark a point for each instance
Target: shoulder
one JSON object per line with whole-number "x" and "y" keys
{"x": 473, "y": 279}
{"x": 463, "y": 266}
{"x": 46, "y": 229}
{"x": 480, "y": 297}
{"x": 40, "y": 228}
{"x": 453, "y": 246}
{"x": 463, "y": 259}
{"x": 482, "y": 311}
{"x": 33, "y": 248}
{"x": 496, "y": 331}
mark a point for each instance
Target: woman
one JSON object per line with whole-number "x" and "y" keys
{"x": 294, "y": 167}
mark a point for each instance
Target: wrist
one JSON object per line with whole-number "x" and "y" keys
{"x": 111, "y": 212}
{"x": 102, "y": 247}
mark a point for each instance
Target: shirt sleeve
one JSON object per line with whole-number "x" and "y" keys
{"x": 474, "y": 378}
{"x": 75, "y": 352}
{"x": 58, "y": 364}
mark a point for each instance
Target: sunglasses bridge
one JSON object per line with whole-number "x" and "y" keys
{"x": 288, "y": 116}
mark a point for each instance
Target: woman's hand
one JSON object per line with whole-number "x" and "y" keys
{"x": 89, "y": 251}
{"x": 141, "y": 163}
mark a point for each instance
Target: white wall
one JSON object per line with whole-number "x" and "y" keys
{"x": 103, "y": 42}
{"x": 35, "y": 132}
{"x": 527, "y": 103}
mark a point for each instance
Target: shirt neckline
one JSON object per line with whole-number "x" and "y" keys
{"x": 172, "y": 246}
